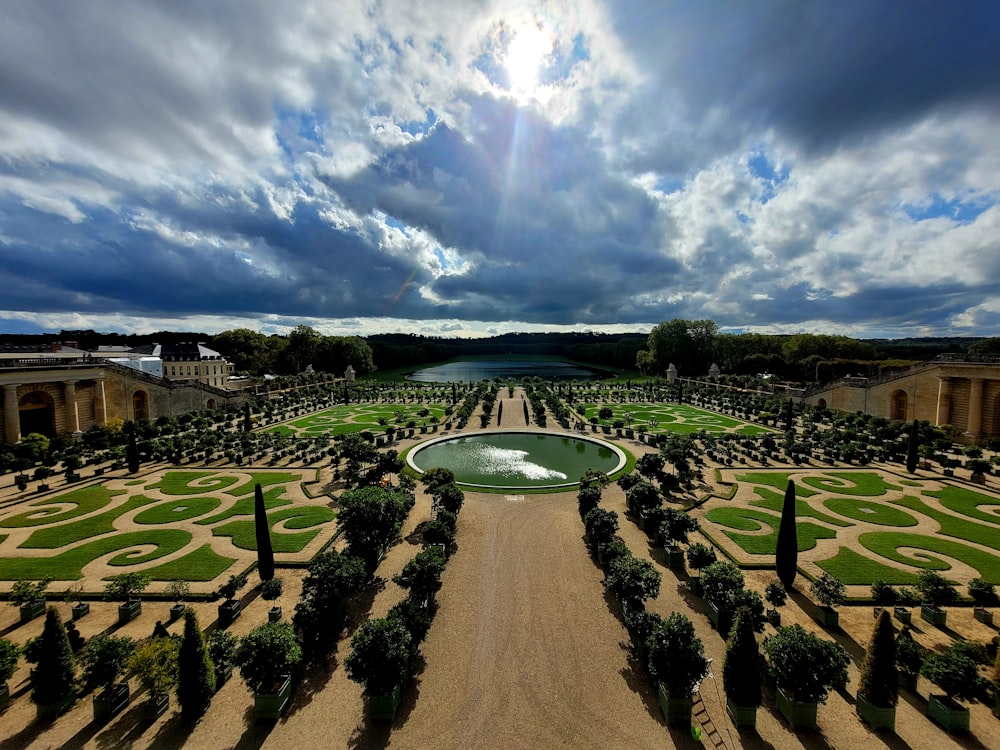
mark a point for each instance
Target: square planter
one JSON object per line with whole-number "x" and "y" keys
{"x": 222, "y": 675}
{"x": 129, "y": 610}
{"x": 949, "y": 714}
{"x": 383, "y": 707}
{"x": 157, "y": 705}
{"x": 676, "y": 711}
{"x": 742, "y": 716}
{"x": 874, "y": 716}
{"x": 229, "y": 610}
{"x": 272, "y": 705}
{"x": 4, "y": 696}
{"x": 829, "y": 618}
{"x": 902, "y": 614}
{"x": 934, "y": 615}
{"x": 176, "y": 611}
{"x": 110, "y": 701}
{"x": 80, "y": 609}
{"x": 774, "y": 617}
{"x": 675, "y": 557}
{"x": 797, "y": 714}
{"x": 982, "y": 614}
{"x": 31, "y": 610}
{"x": 721, "y": 619}
{"x": 274, "y": 614}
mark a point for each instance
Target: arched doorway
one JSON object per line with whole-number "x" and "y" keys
{"x": 210, "y": 404}
{"x": 140, "y": 405}
{"x": 821, "y": 403}
{"x": 897, "y": 409}
{"x": 37, "y": 414}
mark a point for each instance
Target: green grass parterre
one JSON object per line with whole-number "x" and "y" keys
{"x": 83, "y": 525}
{"x": 964, "y": 522}
{"x": 679, "y": 418}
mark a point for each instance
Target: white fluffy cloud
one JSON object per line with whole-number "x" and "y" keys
{"x": 388, "y": 167}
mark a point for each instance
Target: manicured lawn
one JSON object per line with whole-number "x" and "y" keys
{"x": 84, "y": 525}
{"x": 963, "y": 523}
{"x": 348, "y": 418}
{"x": 679, "y": 418}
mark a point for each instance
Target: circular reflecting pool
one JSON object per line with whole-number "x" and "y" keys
{"x": 517, "y": 460}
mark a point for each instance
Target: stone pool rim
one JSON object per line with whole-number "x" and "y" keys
{"x": 619, "y": 452}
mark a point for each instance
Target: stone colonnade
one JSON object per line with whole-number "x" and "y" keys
{"x": 12, "y": 415}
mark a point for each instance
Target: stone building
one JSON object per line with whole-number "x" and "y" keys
{"x": 188, "y": 361}
{"x": 67, "y": 390}
{"x": 957, "y": 390}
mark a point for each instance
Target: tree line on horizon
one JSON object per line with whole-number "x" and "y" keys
{"x": 691, "y": 345}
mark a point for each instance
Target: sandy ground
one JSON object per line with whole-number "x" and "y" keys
{"x": 526, "y": 651}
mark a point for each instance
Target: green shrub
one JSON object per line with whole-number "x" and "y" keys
{"x": 104, "y": 659}
{"x": 879, "y": 675}
{"x": 677, "y": 656}
{"x": 741, "y": 672}
{"x": 380, "y": 655}
{"x": 805, "y": 666}
{"x": 266, "y": 655}
{"x": 195, "y": 669}
{"x": 954, "y": 672}
{"x": 53, "y": 676}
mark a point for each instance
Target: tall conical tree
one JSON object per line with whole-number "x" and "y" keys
{"x": 247, "y": 419}
{"x": 500, "y": 414}
{"x": 786, "y": 557}
{"x": 742, "y": 668}
{"x": 912, "y": 448}
{"x": 879, "y": 675}
{"x": 195, "y": 671}
{"x": 527, "y": 419}
{"x": 265, "y": 553}
{"x": 52, "y": 678}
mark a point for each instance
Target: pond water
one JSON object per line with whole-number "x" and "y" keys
{"x": 517, "y": 460}
{"x": 468, "y": 372}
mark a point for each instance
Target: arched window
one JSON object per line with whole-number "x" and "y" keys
{"x": 140, "y": 405}
{"x": 897, "y": 409}
{"x": 37, "y": 414}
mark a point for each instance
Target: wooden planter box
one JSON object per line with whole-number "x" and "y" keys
{"x": 774, "y": 617}
{"x": 229, "y": 610}
{"x": 4, "y": 696}
{"x": 742, "y": 716}
{"x": 272, "y": 705}
{"x": 157, "y": 705}
{"x": 875, "y": 716}
{"x": 934, "y": 615}
{"x": 383, "y": 707}
{"x": 80, "y": 609}
{"x": 797, "y": 714}
{"x": 902, "y": 614}
{"x": 829, "y": 618}
{"x": 110, "y": 701}
{"x": 31, "y": 610}
{"x": 721, "y": 619}
{"x": 176, "y": 611}
{"x": 129, "y": 610}
{"x": 675, "y": 557}
{"x": 982, "y": 614}
{"x": 274, "y": 614}
{"x": 676, "y": 711}
{"x": 949, "y": 714}
{"x": 222, "y": 675}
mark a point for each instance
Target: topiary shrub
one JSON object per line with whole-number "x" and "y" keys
{"x": 879, "y": 675}
{"x": 909, "y": 658}
{"x": 52, "y": 680}
{"x": 380, "y": 655}
{"x": 195, "y": 670}
{"x": 786, "y": 556}
{"x": 883, "y": 594}
{"x": 828, "y": 590}
{"x": 983, "y": 594}
{"x": 104, "y": 659}
{"x": 955, "y": 672}
{"x": 677, "y": 656}
{"x": 632, "y": 581}
{"x": 806, "y": 667}
{"x": 935, "y": 589}
{"x": 741, "y": 672}
{"x": 267, "y": 655}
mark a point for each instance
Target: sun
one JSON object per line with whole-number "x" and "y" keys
{"x": 526, "y": 52}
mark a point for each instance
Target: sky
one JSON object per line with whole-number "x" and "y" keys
{"x": 467, "y": 168}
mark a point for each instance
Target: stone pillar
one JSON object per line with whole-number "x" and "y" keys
{"x": 975, "y": 407}
{"x": 100, "y": 405}
{"x": 671, "y": 374}
{"x": 943, "y": 402}
{"x": 11, "y": 415}
{"x": 72, "y": 415}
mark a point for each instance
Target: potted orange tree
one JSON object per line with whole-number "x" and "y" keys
{"x": 266, "y": 657}
{"x": 678, "y": 664}
{"x": 805, "y": 669}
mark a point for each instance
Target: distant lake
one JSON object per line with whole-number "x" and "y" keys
{"x": 468, "y": 372}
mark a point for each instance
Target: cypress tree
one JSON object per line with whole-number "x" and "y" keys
{"x": 527, "y": 420}
{"x": 195, "y": 672}
{"x": 786, "y": 557}
{"x": 500, "y": 414}
{"x": 265, "y": 553}
{"x": 247, "y": 420}
{"x": 742, "y": 668}
{"x": 52, "y": 679}
{"x": 879, "y": 676}
{"x": 911, "y": 448}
